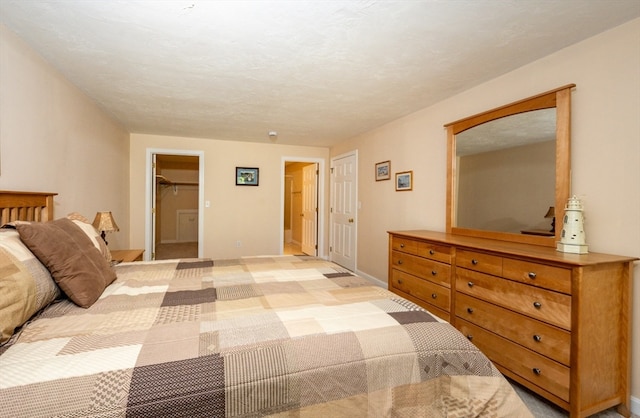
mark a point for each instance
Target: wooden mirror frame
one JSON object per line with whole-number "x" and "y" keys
{"x": 559, "y": 98}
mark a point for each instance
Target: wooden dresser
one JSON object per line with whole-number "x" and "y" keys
{"x": 556, "y": 323}
{"x": 420, "y": 270}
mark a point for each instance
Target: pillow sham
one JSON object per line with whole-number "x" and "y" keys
{"x": 26, "y": 285}
{"x": 18, "y": 290}
{"x": 77, "y": 267}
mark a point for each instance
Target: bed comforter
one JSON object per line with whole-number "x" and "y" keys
{"x": 260, "y": 336}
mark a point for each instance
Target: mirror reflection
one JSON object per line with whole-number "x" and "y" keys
{"x": 508, "y": 170}
{"x": 506, "y": 174}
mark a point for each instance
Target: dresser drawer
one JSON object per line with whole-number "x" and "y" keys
{"x": 404, "y": 245}
{"x": 541, "y": 371}
{"x": 472, "y": 260}
{"x": 424, "y": 290}
{"x": 545, "y": 305}
{"x": 542, "y": 338}
{"x": 433, "y": 271}
{"x": 549, "y": 277}
{"x": 435, "y": 252}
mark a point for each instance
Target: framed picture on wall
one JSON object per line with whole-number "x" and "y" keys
{"x": 404, "y": 181}
{"x": 383, "y": 171}
{"x": 247, "y": 176}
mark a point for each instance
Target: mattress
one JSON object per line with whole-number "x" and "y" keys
{"x": 258, "y": 336}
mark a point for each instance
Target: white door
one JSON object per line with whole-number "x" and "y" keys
{"x": 343, "y": 211}
{"x": 310, "y": 209}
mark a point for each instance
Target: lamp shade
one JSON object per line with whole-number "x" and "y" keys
{"x": 104, "y": 222}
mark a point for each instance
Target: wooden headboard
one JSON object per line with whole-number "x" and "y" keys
{"x": 25, "y": 206}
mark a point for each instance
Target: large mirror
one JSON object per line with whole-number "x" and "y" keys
{"x": 509, "y": 170}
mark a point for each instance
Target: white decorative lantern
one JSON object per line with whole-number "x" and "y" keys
{"x": 573, "y": 239}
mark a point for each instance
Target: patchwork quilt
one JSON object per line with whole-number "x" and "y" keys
{"x": 260, "y": 336}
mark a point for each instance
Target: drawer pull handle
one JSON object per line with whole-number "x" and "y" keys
{"x": 531, "y": 275}
{"x": 399, "y": 261}
{"x": 431, "y": 252}
{"x": 434, "y": 296}
{"x": 537, "y": 338}
{"x": 401, "y": 245}
{"x": 537, "y": 371}
{"x": 399, "y": 281}
{"x": 469, "y": 337}
{"x": 433, "y": 272}
{"x": 474, "y": 261}
{"x": 537, "y": 305}
{"x": 470, "y": 310}
{"x": 470, "y": 284}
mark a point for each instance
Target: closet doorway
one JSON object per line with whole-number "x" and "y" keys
{"x": 175, "y": 230}
{"x": 300, "y": 208}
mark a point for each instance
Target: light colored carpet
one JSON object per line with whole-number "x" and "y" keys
{"x": 176, "y": 250}
{"x": 541, "y": 408}
{"x": 291, "y": 248}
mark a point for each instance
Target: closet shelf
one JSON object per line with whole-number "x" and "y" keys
{"x": 165, "y": 181}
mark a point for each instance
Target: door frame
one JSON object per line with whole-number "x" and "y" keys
{"x": 150, "y": 184}
{"x": 353, "y": 153}
{"x": 321, "y": 199}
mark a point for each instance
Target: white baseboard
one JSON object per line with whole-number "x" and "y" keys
{"x": 375, "y": 281}
{"x": 635, "y": 406}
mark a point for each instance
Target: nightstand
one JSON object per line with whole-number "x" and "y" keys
{"x": 126, "y": 255}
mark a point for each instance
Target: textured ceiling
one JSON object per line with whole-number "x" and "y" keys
{"x": 317, "y": 72}
{"x": 508, "y": 132}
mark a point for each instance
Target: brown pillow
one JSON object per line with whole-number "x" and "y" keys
{"x": 75, "y": 264}
{"x": 91, "y": 232}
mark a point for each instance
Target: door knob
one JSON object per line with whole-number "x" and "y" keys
{"x": 350, "y": 220}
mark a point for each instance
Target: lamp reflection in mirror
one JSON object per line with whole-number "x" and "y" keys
{"x": 551, "y": 213}
{"x": 572, "y": 238}
{"x": 104, "y": 223}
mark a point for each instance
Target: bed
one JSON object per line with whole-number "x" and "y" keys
{"x": 277, "y": 336}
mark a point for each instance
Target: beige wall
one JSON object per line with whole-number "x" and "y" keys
{"x": 54, "y": 139}
{"x": 510, "y": 196}
{"x": 605, "y": 153}
{"x": 172, "y": 198}
{"x": 251, "y": 215}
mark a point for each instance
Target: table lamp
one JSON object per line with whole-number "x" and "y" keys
{"x": 104, "y": 223}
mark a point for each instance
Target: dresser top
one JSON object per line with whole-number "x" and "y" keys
{"x": 514, "y": 249}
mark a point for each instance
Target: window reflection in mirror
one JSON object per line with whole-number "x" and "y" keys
{"x": 506, "y": 173}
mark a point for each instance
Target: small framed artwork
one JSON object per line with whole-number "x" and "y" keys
{"x": 404, "y": 181}
{"x": 247, "y": 176}
{"x": 383, "y": 170}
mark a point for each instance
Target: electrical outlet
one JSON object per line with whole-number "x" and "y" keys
{"x": 238, "y": 243}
